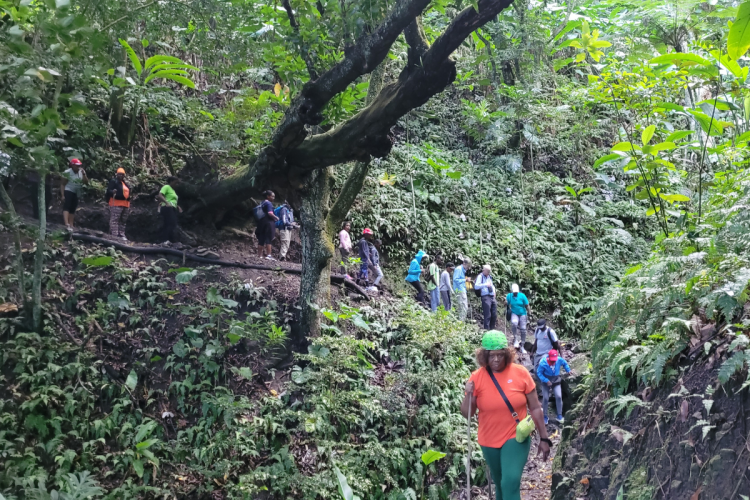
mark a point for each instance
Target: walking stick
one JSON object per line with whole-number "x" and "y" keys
{"x": 468, "y": 455}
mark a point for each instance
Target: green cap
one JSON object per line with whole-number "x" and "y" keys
{"x": 494, "y": 340}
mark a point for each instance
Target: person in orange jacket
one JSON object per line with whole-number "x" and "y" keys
{"x": 118, "y": 196}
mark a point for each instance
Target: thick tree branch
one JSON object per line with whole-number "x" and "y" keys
{"x": 415, "y": 38}
{"x": 367, "y": 133}
{"x": 304, "y": 51}
{"x": 306, "y": 108}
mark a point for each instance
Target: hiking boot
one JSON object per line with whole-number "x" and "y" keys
{"x": 560, "y": 419}
{"x": 516, "y": 345}
{"x": 523, "y": 350}
{"x": 268, "y": 257}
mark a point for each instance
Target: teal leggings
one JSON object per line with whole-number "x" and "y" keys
{"x": 506, "y": 466}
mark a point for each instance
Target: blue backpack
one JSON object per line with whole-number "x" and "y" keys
{"x": 285, "y": 215}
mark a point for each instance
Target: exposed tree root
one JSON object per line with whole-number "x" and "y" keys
{"x": 335, "y": 278}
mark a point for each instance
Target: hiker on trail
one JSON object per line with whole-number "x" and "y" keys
{"x": 415, "y": 272}
{"x": 433, "y": 282}
{"x": 459, "y": 286}
{"x": 489, "y": 303}
{"x": 375, "y": 264}
{"x": 548, "y": 372}
{"x": 168, "y": 209}
{"x": 545, "y": 339}
{"x": 505, "y": 440}
{"x": 446, "y": 286}
{"x": 70, "y": 188}
{"x": 519, "y": 315}
{"x": 285, "y": 224}
{"x": 363, "y": 250}
{"x": 265, "y": 232}
{"x": 118, "y": 197}
{"x": 345, "y": 245}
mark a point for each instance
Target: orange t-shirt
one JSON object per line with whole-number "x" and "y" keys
{"x": 496, "y": 424}
{"x": 121, "y": 203}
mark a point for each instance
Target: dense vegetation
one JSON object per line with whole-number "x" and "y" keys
{"x": 594, "y": 152}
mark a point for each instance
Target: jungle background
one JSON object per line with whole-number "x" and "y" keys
{"x": 592, "y": 151}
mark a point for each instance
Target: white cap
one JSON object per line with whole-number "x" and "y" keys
{"x": 487, "y": 267}
{"x": 514, "y": 288}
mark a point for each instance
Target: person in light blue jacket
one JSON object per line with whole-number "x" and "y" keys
{"x": 415, "y": 272}
{"x": 548, "y": 372}
{"x": 459, "y": 286}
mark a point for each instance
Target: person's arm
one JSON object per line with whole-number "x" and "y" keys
{"x": 533, "y": 349}
{"x": 528, "y": 306}
{"x": 63, "y": 182}
{"x": 85, "y": 179}
{"x": 434, "y": 279}
{"x": 111, "y": 188}
{"x": 160, "y": 197}
{"x": 469, "y": 404}
{"x": 540, "y": 374}
{"x": 538, "y": 417}
{"x": 565, "y": 365}
{"x": 555, "y": 341}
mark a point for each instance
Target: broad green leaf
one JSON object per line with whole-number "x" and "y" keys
{"x": 647, "y": 134}
{"x": 571, "y": 25}
{"x": 233, "y": 338}
{"x": 744, "y": 137}
{"x": 146, "y": 443}
{"x": 132, "y": 380}
{"x": 244, "y": 372}
{"x": 671, "y": 198}
{"x": 664, "y": 146}
{"x": 669, "y": 106}
{"x": 344, "y": 488}
{"x": 707, "y": 122}
{"x": 626, "y": 146}
{"x": 431, "y": 455}
{"x": 680, "y": 59}
{"x": 186, "y": 276}
{"x": 101, "y": 261}
{"x": 175, "y": 78}
{"x": 561, "y": 63}
{"x": 679, "y": 134}
{"x": 739, "y": 34}
{"x": 606, "y": 159}
{"x": 133, "y": 56}
{"x": 144, "y": 42}
{"x": 138, "y": 467}
{"x": 570, "y": 190}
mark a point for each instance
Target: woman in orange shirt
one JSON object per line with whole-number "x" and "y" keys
{"x": 505, "y": 456}
{"x": 118, "y": 195}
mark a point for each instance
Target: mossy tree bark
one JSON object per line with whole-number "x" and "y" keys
{"x": 36, "y": 285}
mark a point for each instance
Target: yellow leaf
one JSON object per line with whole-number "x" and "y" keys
{"x": 274, "y": 393}
{"x": 121, "y": 325}
{"x": 277, "y": 89}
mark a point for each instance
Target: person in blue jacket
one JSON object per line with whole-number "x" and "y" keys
{"x": 415, "y": 272}
{"x": 548, "y": 372}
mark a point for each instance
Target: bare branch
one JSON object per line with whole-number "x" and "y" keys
{"x": 415, "y": 38}
{"x": 302, "y": 46}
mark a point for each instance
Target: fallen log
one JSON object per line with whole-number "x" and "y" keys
{"x": 335, "y": 278}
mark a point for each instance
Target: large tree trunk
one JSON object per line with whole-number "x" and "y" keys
{"x": 15, "y": 223}
{"x": 317, "y": 251}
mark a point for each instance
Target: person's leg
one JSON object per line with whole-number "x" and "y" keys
{"x": 421, "y": 296}
{"x": 169, "y": 215}
{"x": 378, "y": 275}
{"x": 363, "y": 272}
{"x": 123, "y": 221}
{"x": 486, "y": 307}
{"x": 344, "y": 260}
{"x": 74, "y": 207}
{"x": 446, "y": 299}
{"x": 513, "y": 457}
{"x": 114, "y": 219}
{"x": 463, "y": 305}
{"x": 493, "y": 457}
{"x": 522, "y": 326}
{"x": 286, "y": 241}
{"x": 434, "y": 299}
{"x": 545, "y": 399}
{"x": 558, "y": 399}
{"x": 493, "y": 314}
{"x": 514, "y": 328}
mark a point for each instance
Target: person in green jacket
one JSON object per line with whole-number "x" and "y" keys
{"x": 168, "y": 208}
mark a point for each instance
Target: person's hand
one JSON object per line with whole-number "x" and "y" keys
{"x": 543, "y": 450}
{"x": 469, "y": 387}
{"x": 179, "y": 208}
{"x": 549, "y": 383}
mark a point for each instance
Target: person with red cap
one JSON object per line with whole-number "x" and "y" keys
{"x": 118, "y": 197}
{"x": 70, "y": 188}
{"x": 363, "y": 249}
{"x": 548, "y": 372}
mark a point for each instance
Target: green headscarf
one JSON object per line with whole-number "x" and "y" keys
{"x": 494, "y": 340}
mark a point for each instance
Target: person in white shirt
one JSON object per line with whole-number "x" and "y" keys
{"x": 345, "y": 245}
{"x": 489, "y": 304}
{"x": 70, "y": 188}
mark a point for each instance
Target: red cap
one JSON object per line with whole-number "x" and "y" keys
{"x": 75, "y": 161}
{"x": 552, "y": 355}
{"x": 367, "y": 230}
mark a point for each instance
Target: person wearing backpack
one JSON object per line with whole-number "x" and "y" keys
{"x": 365, "y": 255}
{"x": 486, "y": 290}
{"x": 433, "y": 282}
{"x": 504, "y": 394}
{"x": 118, "y": 198}
{"x": 545, "y": 339}
{"x": 548, "y": 372}
{"x": 266, "y": 226}
{"x": 519, "y": 315}
{"x": 168, "y": 208}
{"x": 413, "y": 275}
{"x": 375, "y": 264}
{"x": 285, "y": 225}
